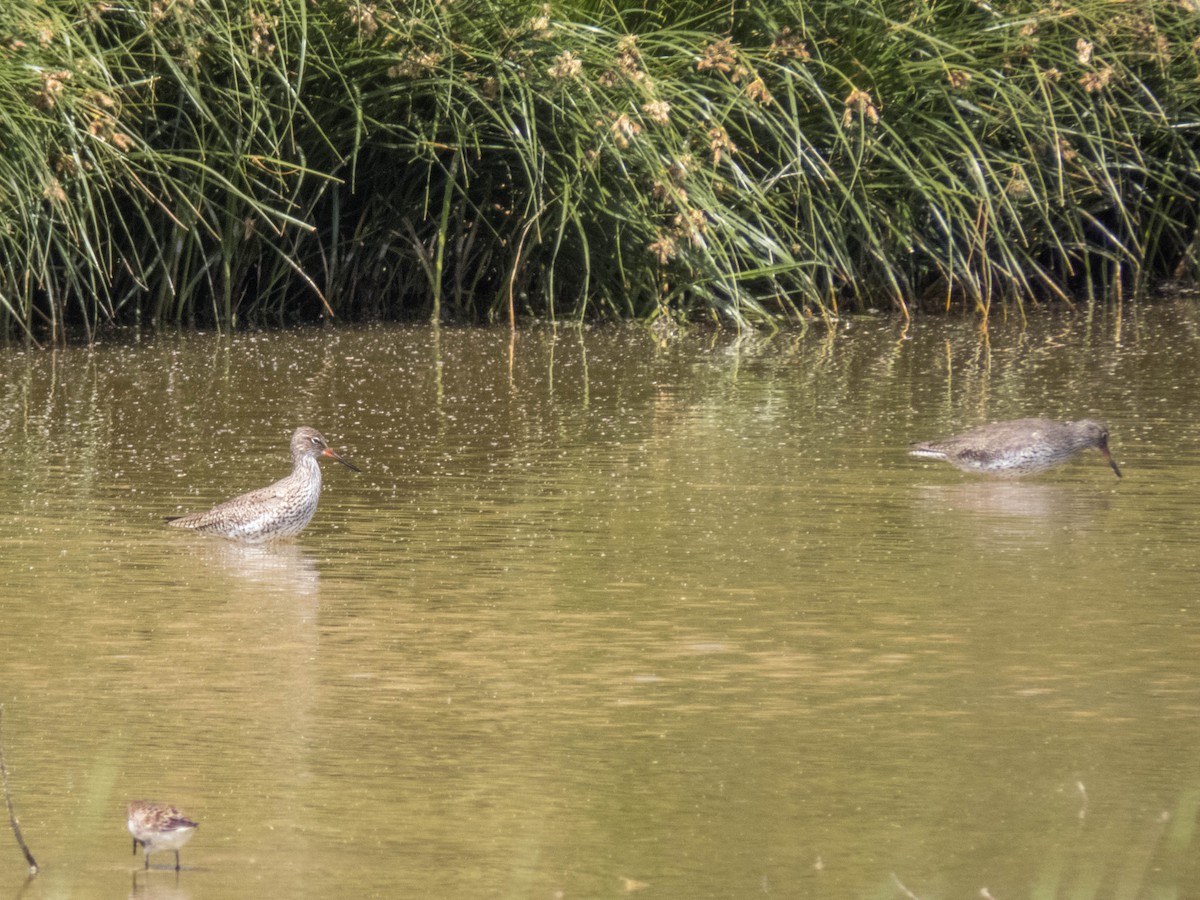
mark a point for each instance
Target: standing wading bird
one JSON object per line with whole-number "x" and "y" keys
{"x": 1019, "y": 447}
{"x": 157, "y": 826}
{"x": 278, "y": 511}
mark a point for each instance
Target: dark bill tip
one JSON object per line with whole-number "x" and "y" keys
{"x": 1112, "y": 462}
{"x": 332, "y": 455}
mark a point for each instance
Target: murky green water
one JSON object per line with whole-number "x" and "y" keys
{"x": 605, "y": 617}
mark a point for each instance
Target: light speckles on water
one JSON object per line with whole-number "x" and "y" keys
{"x": 614, "y": 592}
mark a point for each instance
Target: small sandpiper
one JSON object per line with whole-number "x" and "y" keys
{"x": 278, "y": 511}
{"x": 1019, "y": 447}
{"x": 157, "y": 826}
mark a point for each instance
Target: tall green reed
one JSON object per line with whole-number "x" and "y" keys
{"x": 184, "y": 160}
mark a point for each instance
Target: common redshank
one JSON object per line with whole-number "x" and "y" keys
{"x": 278, "y": 511}
{"x": 157, "y": 826}
{"x": 1019, "y": 447}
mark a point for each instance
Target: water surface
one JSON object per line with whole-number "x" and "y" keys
{"x": 607, "y": 614}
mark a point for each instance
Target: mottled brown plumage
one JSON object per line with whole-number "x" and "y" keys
{"x": 1019, "y": 447}
{"x": 280, "y": 510}
{"x": 157, "y": 826}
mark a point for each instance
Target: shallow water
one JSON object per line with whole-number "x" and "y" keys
{"x": 608, "y": 615}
